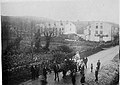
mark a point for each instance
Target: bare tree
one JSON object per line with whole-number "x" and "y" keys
{"x": 37, "y": 39}
{"x": 48, "y": 34}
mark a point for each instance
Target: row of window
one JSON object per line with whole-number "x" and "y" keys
{"x": 101, "y": 35}
{"x": 97, "y": 27}
{"x": 100, "y": 27}
{"x": 55, "y": 24}
{"x": 56, "y": 31}
{"x": 96, "y": 32}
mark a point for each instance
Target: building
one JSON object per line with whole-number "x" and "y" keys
{"x": 100, "y": 31}
{"x": 70, "y": 28}
{"x": 58, "y": 27}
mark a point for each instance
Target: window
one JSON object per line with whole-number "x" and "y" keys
{"x": 96, "y": 32}
{"x": 62, "y": 28}
{"x": 106, "y": 36}
{"x": 89, "y": 32}
{"x": 61, "y": 23}
{"x": 56, "y": 31}
{"x": 101, "y": 32}
{"x": 96, "y": 27}
{"x": 49, "y": 24}
{"x": 101, "y": 27}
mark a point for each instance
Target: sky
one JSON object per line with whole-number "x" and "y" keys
{"x": 71, "y": 10}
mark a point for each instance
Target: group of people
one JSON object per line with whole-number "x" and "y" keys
{"x": 83, "y": 65}
{"x": 73, "y": 76}
{"x": 34, "y": 71}
{"x": 96, "y": 70}
{"x": 82, "y": 69}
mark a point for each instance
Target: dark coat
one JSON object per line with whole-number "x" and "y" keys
{"x": 83, "y": 79}
{"x": 44, "y": 71}
{"x": 98, "y": 64}
{"x": 96, "y": 73}
{"x": 73, "y": 78}
{"x": 85, "y": 60}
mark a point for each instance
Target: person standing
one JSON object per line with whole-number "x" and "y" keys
{"x": 98, "y": 64}
{"x": 91, "y": 67}
{"x": 45, "y": 73}
{"x": 96, "y": 74}
{"x": 37, "y": 71}
{"x": 79, "y": 67}
{"x": 82, "y": 79}
{"x": 73, "y": 77}
{"x": 33, "y": 72}
{"x": 85, "y": 61}
{"x": 56, "y": 71}
{"x": 82, "y": 68}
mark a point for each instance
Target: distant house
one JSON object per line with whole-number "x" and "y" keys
{"x": 58, "y": 27}
{"x": 41, "y": 27}
{"x": 100, "y": 31}
{"x": 70, "y": 28}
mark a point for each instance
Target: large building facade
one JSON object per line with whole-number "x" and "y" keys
{"x": 70, "y": 28}
{"x": 100, "y": 31}
{"x": 59, "y": 27}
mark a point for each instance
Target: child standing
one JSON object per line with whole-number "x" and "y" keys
{"x": 91, "y": 67}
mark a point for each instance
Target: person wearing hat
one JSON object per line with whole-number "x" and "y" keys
{"x": 82, "y": 79}
{"x": 73, "y": 75}
{"x": 96, "y": 74}
{"x": 33, "y": 72}
{"x": 98, "y": 64}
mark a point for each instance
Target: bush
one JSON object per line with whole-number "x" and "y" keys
{"x": 65, "y": 48}
{"x": 70, "y": 55}
{"x": 59, "y": 57}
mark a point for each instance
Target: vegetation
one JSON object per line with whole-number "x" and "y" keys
{"x": 37, "y": 41}
{"x": 65, "y": 48}
{"x": 49, "y": 34}
{"x": 24, "y": 47}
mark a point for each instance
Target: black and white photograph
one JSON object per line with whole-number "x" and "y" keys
{"x": 60, "y": 42}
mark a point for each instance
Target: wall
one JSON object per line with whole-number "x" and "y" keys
{"x": 70, "y": 28}
{"x": 93, "y": 31}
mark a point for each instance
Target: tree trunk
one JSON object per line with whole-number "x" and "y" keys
{"x": 37, "y": 44}
{"x": 47, "y": 45}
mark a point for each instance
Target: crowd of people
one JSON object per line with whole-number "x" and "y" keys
{"x": 82, "y": 69}
{"x": 35, "y": 72}
{"x": 36, "y": 69}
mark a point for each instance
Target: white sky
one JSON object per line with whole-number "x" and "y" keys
{"x": 83, "y": 10}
